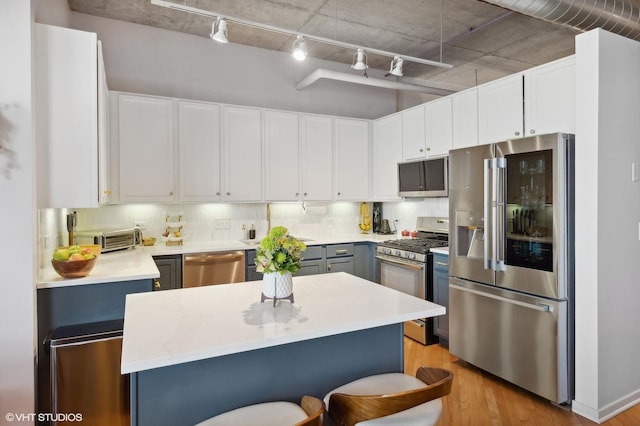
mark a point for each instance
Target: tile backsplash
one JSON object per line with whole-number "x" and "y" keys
{"x": 302, "y": 219}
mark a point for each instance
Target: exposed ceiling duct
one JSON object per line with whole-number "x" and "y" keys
{"x": 617, "y": 16}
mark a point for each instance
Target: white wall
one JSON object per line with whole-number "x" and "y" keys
{"x": 17, "y": 211}
{"x": 149, "y": 60}
{"x": 607, "y": 225}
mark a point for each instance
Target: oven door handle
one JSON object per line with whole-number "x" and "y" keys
{"x": 408, "y": 265}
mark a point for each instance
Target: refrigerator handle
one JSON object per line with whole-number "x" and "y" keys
{"x": 500, "y": 216}
{"x": 542, "y": 307}
{"x": 488, "y": 262}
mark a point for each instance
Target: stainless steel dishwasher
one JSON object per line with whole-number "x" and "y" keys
{"x": 222, "y": 267}
{"x": 85, "y": 375}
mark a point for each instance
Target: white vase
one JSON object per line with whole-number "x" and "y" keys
{"x": 276, "y": 285}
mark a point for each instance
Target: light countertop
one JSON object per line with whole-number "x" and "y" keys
{"x": 124, "y": 265}
{"x": 137, "y": 263}
{"x": 178, "y": 326}
{"x": 440, "y": 250}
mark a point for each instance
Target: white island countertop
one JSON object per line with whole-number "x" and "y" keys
{"x": 178, "y": 326}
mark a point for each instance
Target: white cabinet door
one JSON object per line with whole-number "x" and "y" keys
{"x": 550, "y": 97}
{"x": 104, "y": 166}
{"x": 66, "y": 90}
{"x": 199, "y": 171}
{"x": 413, "y": 133}
{"x": 242, "y": 154}
{"x": 282, "y": 157}
{"x": 438, "y": 127}
{"x": 387, "y": 153}
{"x": 145, "y": 148}
{"x": 465, "y": 118}
{"x": 316, "y": 144}
{"x": 351, "y": 173}
{"x": 500, "y": 108}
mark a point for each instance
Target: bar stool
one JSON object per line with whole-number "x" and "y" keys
{"x": 391, "y": 399}
{"x": 279, "y": 413}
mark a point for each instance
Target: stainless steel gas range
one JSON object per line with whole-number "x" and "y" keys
{"x": 406, "y": 265}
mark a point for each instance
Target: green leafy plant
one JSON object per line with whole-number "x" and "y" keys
{"x": 279, "y": 252}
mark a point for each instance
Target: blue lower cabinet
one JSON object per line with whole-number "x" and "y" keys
{"x": 441, "y": 295}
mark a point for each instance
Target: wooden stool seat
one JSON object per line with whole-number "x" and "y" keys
{"x": 278, "y": 413}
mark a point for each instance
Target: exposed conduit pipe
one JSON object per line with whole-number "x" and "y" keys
{"x": 617, "y": 16}
{"x": 358, "y": 79}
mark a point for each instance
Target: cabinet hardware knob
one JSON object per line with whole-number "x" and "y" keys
{"x": 217, "y": 193}
{"x": 421, "y": 150}
{"x": 297, "y": 193}
{"x": 228, "y": 193}
{"x": 339, "y": 193}
{"x": 428, "y": 149}
{"x": 517, "y": 133}
{"x": 157, "y": 284}
{"x": 328, "y": 267}
{"x": 532, "y": 131}
{"x": 305, "y": 194}
{"x": 171, "y": 194}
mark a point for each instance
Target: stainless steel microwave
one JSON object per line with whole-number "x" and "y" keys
{"x": 424, "y": 178}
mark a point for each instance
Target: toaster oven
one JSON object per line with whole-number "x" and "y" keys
{"x": 111, "y": 239}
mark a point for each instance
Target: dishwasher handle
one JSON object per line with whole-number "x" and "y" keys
{"x": 213, "y": 258}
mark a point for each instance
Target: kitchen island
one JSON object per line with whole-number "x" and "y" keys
{"x": 194, "y": 353}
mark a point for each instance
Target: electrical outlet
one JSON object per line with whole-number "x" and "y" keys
{"x": 140, "y": 225}
{"x": 223, "y": 223}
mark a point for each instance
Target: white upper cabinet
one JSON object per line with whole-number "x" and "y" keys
{"x": 438, "y": 127}
{"x": 282, "y": 157}
{"x": 145, "y": 148}
{"x": 465, "y": 118}
{"x": 387, "y": 153}
{"x": 550, "y": 97}
{"x": 199, "y": 151}
{"x": 500, "y": 108}
{"x": 104, "y": 163}
{"x": 316, "y": 145}
{"x": 413, "y": 133}
{"x": 242, "y": 154}
{"x": 351, "y": 174}
{"x": 68, "y": 116}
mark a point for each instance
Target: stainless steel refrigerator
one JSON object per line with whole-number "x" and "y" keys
{"x": 511, "y": 282}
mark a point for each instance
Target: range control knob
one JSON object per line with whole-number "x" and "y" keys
{"x": 411, "y": 256}
{"x": 386, "y": 250}
{"x": 398, "y": 253}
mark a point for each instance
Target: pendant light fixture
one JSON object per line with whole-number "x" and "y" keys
{"x": 360, "y": 60}
{"x": 299, "y": 51}
{"x": 221, "y": 34}
{"x": 396, "y": 66}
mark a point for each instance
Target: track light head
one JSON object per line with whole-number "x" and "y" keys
{"x": 360, "y": 60}
{"x": 221, "y": 34}
{"x": 396, "y": 66}
{"x": 299, "y": 51}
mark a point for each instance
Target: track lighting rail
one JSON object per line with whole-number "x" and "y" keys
{"x": 201, "y": 12}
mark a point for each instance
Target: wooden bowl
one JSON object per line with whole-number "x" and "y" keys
{"x": 74, "y": 268}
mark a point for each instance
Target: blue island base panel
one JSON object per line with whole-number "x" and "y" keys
{"x": 186, "y": 394}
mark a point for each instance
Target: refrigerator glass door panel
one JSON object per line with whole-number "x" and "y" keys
{"x": 521, "y": 338}
{"x": 533, "y": 215}
{"x": 467, "y": 205}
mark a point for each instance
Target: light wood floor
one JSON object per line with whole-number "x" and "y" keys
{"x": 479, "y": 398}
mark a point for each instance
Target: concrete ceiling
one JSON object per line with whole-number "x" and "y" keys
{"x": 482, "y": 42}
